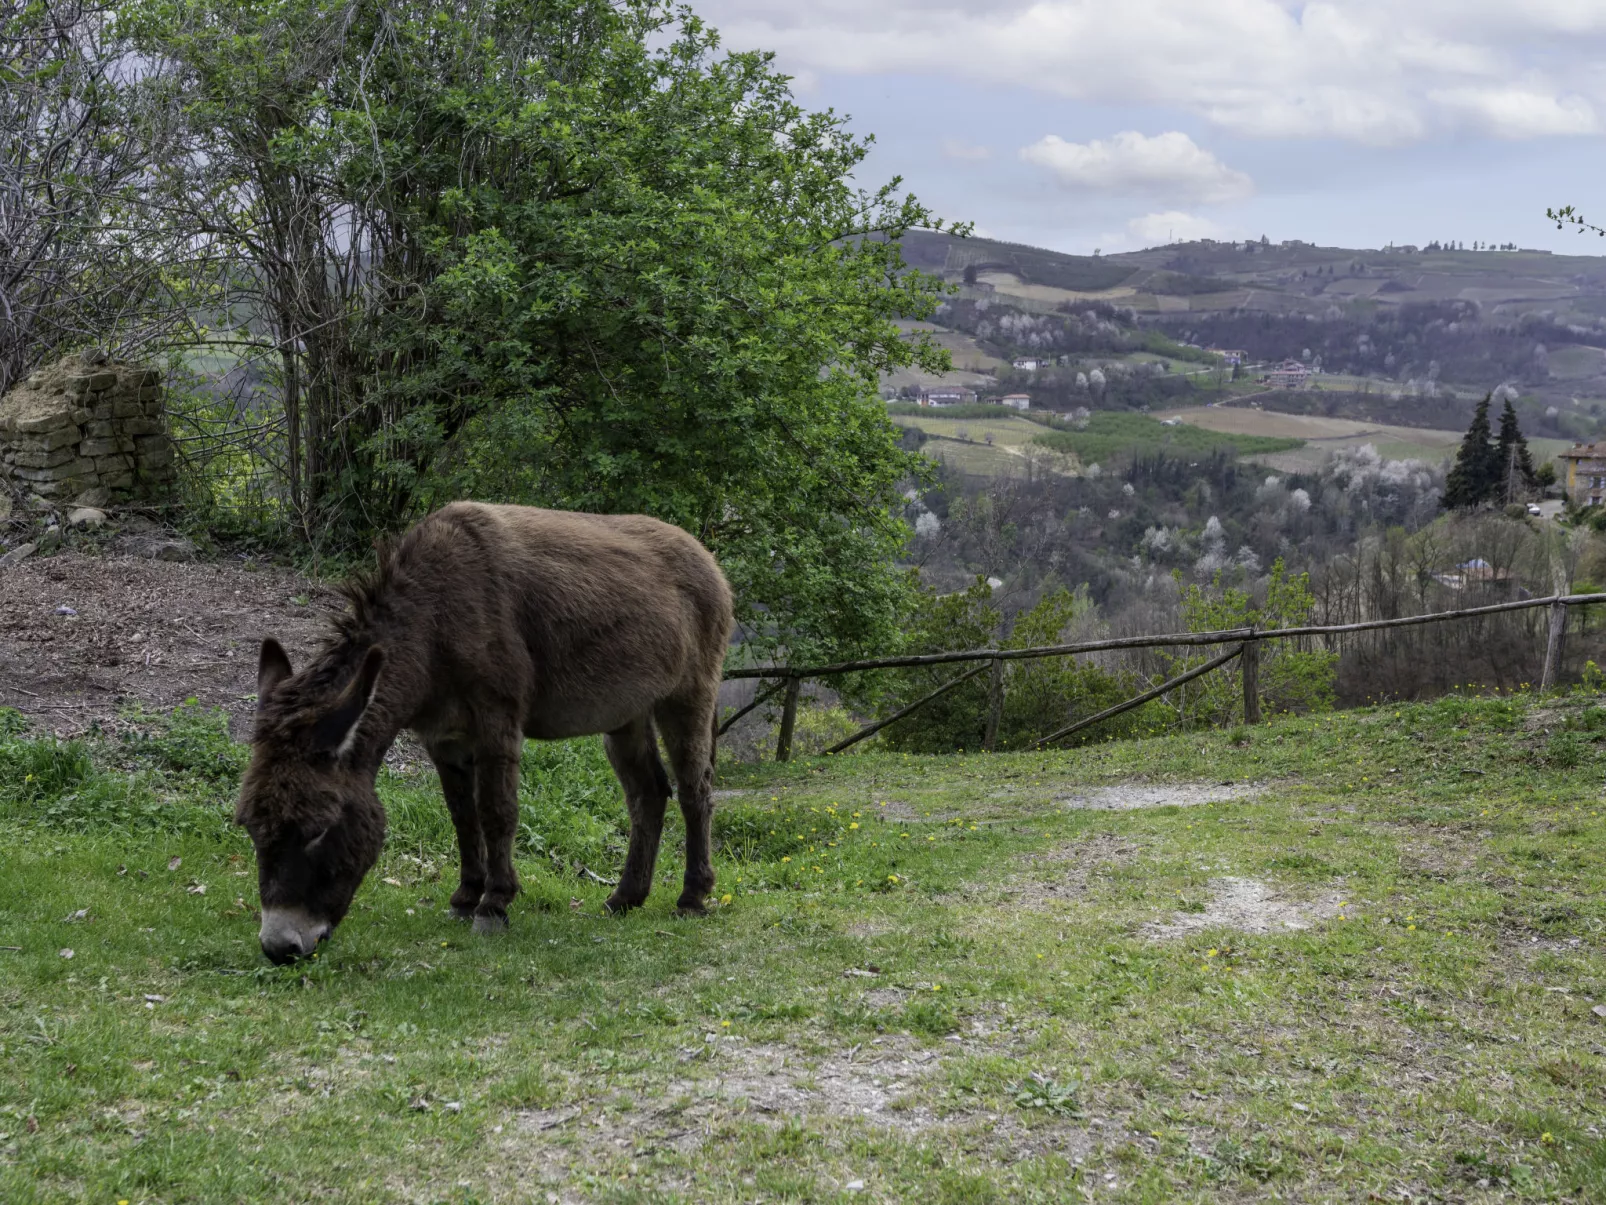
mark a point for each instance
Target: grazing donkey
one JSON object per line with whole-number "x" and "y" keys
{"x": 482, "y": 626}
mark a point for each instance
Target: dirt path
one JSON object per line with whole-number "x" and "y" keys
{"x": 83, "y": 636}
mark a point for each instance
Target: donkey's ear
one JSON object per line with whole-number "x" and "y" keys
{"x": 334, "y": 731}
{"x": 273, "y": 667}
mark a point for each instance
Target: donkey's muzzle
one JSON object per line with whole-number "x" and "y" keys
{"x": 289, "y": 933}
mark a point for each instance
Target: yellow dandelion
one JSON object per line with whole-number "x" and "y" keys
{"x": 1211, "y": 952}
{"x": 726, "y": 898}
{"x": 787, "y": 858}
{"x": 855, "y": 824}
{"x": 724, "y": 1024}
{"x": 1547, "y": 1137}
{"x": 892, "y": 878}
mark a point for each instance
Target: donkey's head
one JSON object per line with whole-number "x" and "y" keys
{"x": 308, "y": 799}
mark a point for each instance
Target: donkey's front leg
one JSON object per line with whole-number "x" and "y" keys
{"x": 455, "y": 766}
{"x": 496, "y": 793}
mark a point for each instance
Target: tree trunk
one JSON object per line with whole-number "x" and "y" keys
{"x": 783, "y": 743}
{"x": 995, "y": 706}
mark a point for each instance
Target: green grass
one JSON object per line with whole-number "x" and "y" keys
{"x": 1114, "y": 433}
{"x": 942, "y": 941}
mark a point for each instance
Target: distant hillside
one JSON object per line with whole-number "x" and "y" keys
{"x": 951, "y": 257}
{"x": 1283, "y": 278}
{"x": 1418, "y": 330}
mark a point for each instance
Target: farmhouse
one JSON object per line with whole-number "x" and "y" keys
{"x": 1232, "y": 356}
{"x": 1028, "y": 363}
{"x": 1586, "y": 473}
{"x": 947, "y": 395}
{"x": 1019, "y": 401}
{"x": 1476, "y": 572}
{"x": 1290, "y": 374}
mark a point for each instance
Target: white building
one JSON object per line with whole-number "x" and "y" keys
{"x": 1017, "y": 401}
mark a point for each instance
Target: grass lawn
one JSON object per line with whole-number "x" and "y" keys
{"x": 1368, "y": 970}
{"x": 1116, "y": 432}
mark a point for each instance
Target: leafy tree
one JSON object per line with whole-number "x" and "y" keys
{"x": 1478, "y": 471}
{"x": 1516, "y": 466}
{"x": 76, "y": 264}
{"x": 568, "y": 254}
{"x": 965, "y": 619}
{"x": 1291, "y": 679}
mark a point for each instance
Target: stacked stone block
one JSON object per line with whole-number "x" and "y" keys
{"x": 87, "y": 423}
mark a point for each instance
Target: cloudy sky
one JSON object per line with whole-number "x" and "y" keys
{"x": 1120, "y": 124}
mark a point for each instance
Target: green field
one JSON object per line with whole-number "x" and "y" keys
{"x": 983, "y": 441}
{"x": 1113, "y": 433}
{"x": 1370, "y": 969}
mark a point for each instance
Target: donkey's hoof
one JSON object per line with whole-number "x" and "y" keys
{"x": 462, "y": 911}
{"x": 618, "y": 905}
{"x": 691, "y": 906}
{"x": 490, "y": 922}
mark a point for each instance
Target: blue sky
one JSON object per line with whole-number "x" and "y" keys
{"x": 1077, "y": 124}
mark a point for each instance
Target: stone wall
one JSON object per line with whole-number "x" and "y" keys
{"x": 87, "y": 424}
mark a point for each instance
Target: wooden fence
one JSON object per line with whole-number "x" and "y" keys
{"x": 788, "y": 680}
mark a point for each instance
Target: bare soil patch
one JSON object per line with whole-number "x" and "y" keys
{"x": 1129, "y": 796}
{"x": 1066, "y": 872}
{"x": 84, "y": 636}
{"x": 1249, "y": 906}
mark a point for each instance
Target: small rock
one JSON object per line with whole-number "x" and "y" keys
{"x": 854, "y": 1186}
{"x": 20, "y": 552}
{"x": 97, "y": 496}
{"x": 51, "y": 538}
{"x": 64, "y": 609}
{"x": 1599, "y": 1010}
{"x": 418, "y": 1105}
{"x": 66, "y": 953}
{"x": 92, "y": 356}
{"x": 40, "y": 502}
{"x": 86, "y": 516}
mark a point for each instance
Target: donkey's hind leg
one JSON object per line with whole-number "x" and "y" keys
{"x": 633, "y": 753}
{"x": 689, "y": 737}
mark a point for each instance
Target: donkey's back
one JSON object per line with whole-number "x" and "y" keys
{"x": 589, "y": 621}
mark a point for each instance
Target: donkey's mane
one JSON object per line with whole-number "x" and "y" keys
{"x": 302, "y": 698}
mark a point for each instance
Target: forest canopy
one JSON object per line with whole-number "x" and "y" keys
{"x": 567, "y": 254}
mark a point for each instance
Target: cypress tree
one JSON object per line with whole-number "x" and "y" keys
{"x": 1477, "y": 473}
{"x": 1514, "y": 461}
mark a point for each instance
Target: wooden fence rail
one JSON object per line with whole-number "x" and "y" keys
{"x": 789, "y": 679}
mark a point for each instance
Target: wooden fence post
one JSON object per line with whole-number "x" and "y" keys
{"x": 1553, "y": 645}
{"x": 995, "y": 706}
{"x": 1251, "y": 663}
{"x": 783, "y": 744}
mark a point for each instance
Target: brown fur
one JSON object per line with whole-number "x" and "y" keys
{"x": 482, "y": 626}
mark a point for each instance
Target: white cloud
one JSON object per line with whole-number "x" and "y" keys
{"x": 1373, "y": 71}
{"x": 958, "y": 148}
{"x": 1172, "y": 226}
{"x": 1171, "y": 166}
{"x": 1521, "y": 113}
